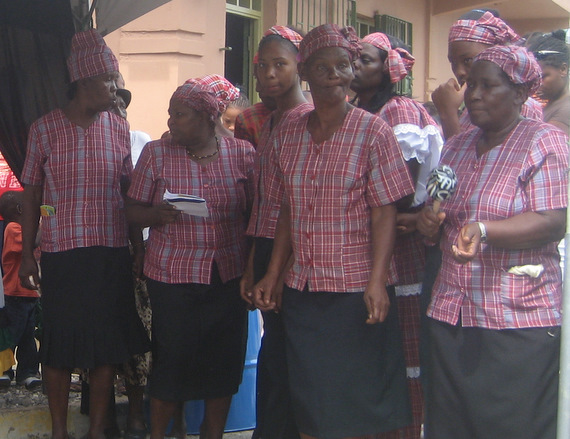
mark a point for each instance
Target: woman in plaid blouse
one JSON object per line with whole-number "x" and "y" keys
{"x": 474, "y": 32}
{"x": 193, "y": 262}
{"x": 338, "y": 171}
{"x": 381, "y": 65}
{"x": 495, "y": 312}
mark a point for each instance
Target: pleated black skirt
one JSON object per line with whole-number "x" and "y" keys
{"x": 89, "y": 313}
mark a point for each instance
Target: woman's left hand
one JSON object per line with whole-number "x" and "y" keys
{"x": 468, "y": 243}
{"x": 377, "y": 302}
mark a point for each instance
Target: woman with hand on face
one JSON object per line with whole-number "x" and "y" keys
{"x": 495, "y": 313}
{"x": 553, "y": 56}
{"x": 193, "y": 263}
{"x": 376, "y": 72}
{"x": 470, "y": 35}
{"x": 338, "y": 173}
{"x": 277, "y": 75}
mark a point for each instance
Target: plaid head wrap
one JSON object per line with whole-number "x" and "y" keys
{"x": 398, "y": 62}
{"x": 223, "y": 89}
{"x": 329, "y": 35}
{"x": 196, "y": 96}
{"x": 90, "y": 56}
{"x": 487, "y": 30}
{"x": 285, "y": 32}
{"x": 518, "y": 64}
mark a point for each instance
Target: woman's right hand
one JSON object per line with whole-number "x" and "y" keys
{"x": 448, "y": 96}
{"x": 164, "y": 213}
{"x": 29, "y": 273}
{"x": 428, "y": 223}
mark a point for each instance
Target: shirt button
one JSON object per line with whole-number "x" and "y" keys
{"x": 212, "y": 227}
{"x": 206, "y": 185}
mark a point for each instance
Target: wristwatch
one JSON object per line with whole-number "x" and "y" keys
{"x": 482, "y": 231}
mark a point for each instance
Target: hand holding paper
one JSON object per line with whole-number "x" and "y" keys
{"x": 189, "y": 204}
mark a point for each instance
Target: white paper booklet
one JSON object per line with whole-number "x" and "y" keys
{"x": 190, "y": 204}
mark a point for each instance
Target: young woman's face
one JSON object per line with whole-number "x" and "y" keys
{"x": 492, "y": 100}
{"x": 460, "y": 55}
{"x": 368, "y": 69}
{"x": 277, "y": 68}
{"x": 554, "y": 81}
{"x": 329, "y": 74}
{"x": 229, "y": 117}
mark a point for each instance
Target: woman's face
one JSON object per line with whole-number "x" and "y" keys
{"x": 229, "y": 117}
{"x": 554, "y": 81}
{"x": 186, "y": 124}
{"x": 492, "y": 100}
{"x": 101, "y": 90}
{"x": 329, "y": 74}
{"x": 460, "y": 55}
{"x": 277, "y": 68}
{"x": 368, "y": 69}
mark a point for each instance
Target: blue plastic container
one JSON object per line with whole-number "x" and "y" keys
{"x": 242, "y": 411}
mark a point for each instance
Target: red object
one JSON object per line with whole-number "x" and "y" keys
{"x": 8, "y": 181}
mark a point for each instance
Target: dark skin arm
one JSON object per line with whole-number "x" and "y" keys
{"x": 383, "y": 226}
{"x": 527, "y": 230}
{"x": 148, "y": 215}
{"x": 32, "y": 200}
{"x": 267, "y": 292}
{"x": 135, "y": 238}
{"x": 405, "y": 221}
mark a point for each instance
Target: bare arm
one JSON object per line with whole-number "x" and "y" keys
{"x": 266, "y": 291}
{"x": 246, "y": 281}
{"x": 30, "y": 224}
{"x": 146, "y": 215}
{"x": 383, "y": 225}
{"x": 527, "y": 230}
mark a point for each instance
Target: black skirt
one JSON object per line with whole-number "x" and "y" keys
{"x": 347, "y": 378}
{"x": 199, "y": 336}
{"x": 89, "y": 313}
{"x": 492, "y": 384}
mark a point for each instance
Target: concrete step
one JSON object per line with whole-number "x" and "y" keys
{"x": 34, "y": 422}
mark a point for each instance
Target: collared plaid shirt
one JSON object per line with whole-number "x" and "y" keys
{"x": 264, "y": 214}
{"x": 250, "y": 121}
{"x": 527, "y": 173}
{"x": 330, "y": 188}
{"x": 419, "y": 138}
{"x": 531, "y": 109}
{"x": 184, "y": 251}
{"x": 81, "y": 172}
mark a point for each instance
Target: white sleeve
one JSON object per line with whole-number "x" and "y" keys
{"x": 424, "y": 145}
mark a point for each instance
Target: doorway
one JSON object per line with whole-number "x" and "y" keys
{"x": 240, "y": 37}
